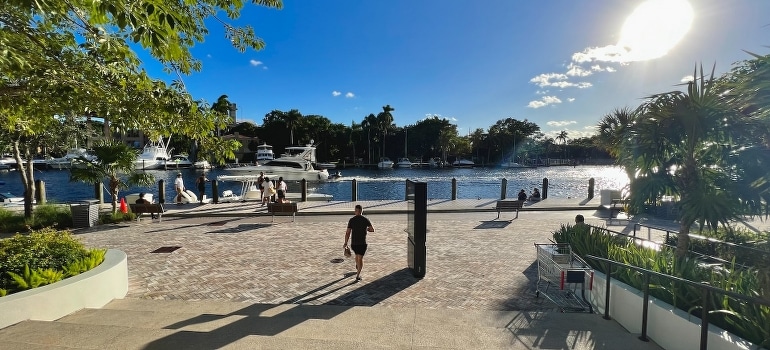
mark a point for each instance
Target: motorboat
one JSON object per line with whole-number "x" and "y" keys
{"x": 202, "y": 164}
{"x": 325, "y": 165}
{"x": 385, "y": 163}
{"x": 179, "y": 161}
{"x": 404, "y": 163}
{"x": 8, "y": 161}
{"x": 294, "y": 165}
{"x": 510, "y": 164}
{"x": 73, "y": 155}
{"x": 463, "y": 163}
{"x": 250, "y": 191}
{"x": 154, "y": 156}
{"x": 265, "y": 153}
{"x": 436, "y": 162}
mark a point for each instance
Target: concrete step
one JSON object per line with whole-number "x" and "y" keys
{"x": 177, "y": 324}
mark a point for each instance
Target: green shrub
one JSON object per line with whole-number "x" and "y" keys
{"x": 118, "y": 217}
{"x": 43, "y": 249}
{"x": 90, "y": 261}
{"x": 11, "y": 221}
{"x": 35, "y": 278}
{"x": 51, "y": 215}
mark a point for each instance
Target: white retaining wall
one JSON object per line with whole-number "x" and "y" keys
{"x": 91, "y": 289}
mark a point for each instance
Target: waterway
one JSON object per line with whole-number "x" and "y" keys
{"x": 563, "y": 182}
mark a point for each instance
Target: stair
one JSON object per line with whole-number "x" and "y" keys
{"x": 177, "y": 324}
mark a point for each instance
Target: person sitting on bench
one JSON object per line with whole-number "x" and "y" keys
{"x": 535, "y": 195}
{"x": 142, "y": 200}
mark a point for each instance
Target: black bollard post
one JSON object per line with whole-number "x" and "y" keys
{"x": 544, "y": 195}
{"x": 591, "y": 188}
{"x": 40, "y": 191}
{"x": 454, "y": 189}
{"x": 162, "y": 191}
{"x": 99, "y": 192}
{"x": 504, "y": 189}
{"x": 303, "y": 189}
{"x": 406, "y": 189}
{"x": 215, "y": 191}
{"x": 354, "y": 190}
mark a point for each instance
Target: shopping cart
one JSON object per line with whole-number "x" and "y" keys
{"x": 559, "y": 273}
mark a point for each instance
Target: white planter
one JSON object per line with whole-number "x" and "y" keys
{"x": 669, "y": 327}
{"x": 92, "y": 289}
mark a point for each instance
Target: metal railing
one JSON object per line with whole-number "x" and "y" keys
{"x": 705, "y": 289}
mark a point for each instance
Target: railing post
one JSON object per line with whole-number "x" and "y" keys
{"x": 645, "y": 306}
{"x": 215, "y": 191}
{"x": 161, "y": 191}
{"x": 303, "y": 190}
{"x": 607, "y": 293}
{"x": 544, "y": 193}
{"x": 406, "y": 189}
{"x": 503, "y": 188}
{"x": 635, "y": 225}
{"x": 704, "y": 320}
{"x": 454, "y": 189}
{"x": 354, "y": 190}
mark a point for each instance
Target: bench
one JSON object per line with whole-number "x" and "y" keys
{"x": 147, "y": 208}
{"x": 282, "y": 208}
{"x": 504, "y": 205}
{"x": 616, "y": 205}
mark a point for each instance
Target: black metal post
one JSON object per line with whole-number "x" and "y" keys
{"x": 354, "y": 190}
{"x": 406, "y": 189}
{"x": 645, "y": 306}
{"x": 704, "y": 320}
{"x": 503, "y": 188}
{"x": 303, "y": 189}
{"x": 607, "y": 293}
{"x": 162, "y": 191}
{"x": 544, "y": 195}
{"x": 454, "y": 189}
{"x": 215, "y": 191}
{"x": 591, "y": 182}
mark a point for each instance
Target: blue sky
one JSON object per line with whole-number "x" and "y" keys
{"x": 558, "y": 63}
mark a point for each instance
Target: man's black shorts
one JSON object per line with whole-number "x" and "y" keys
{"x": 359, "y": 249}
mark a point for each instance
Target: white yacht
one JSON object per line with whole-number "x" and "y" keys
{"x": 510, "y": 164}
{"x": 463, "y": 163}
{"x": 404, "y": 163}
{"x": 73, "y": 154}
{"x": 202, "y": 164}
{"x": 385, "y": 163}
{"x": 436, "y": 162}
{"x": 179, "y": 161}
{"x": 153, "y": 156}
{"x": 294, "y": 165}
{"x": 250, "y": 192}
{"x": 265, "y": 153}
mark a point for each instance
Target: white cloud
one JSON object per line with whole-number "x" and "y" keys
{"x": 578, "y": 71}
{"x": 571, "y": 99}
{"x": 350, "y": 95}
{"x": 208, "y": 56}
{"x": 336, "y": 93}
{"x": 609, "y": 53}
{"x": 255, "y": 63}
{"x": 560, "y": 123}
{"x": 544, "y": 101}
{"x": 541, "y": 92}
{"x": 687, "y": 79}
{"x": 545, "y": 79}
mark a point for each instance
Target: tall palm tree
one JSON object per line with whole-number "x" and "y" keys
{"x": 613, "y": 129}
{"x": 114, "y": 162}
{"x": 385, "y": 123}
{"x": 563, "y": 138}
{"x": 686, "y": 144}
{"x": 292, "y": 118}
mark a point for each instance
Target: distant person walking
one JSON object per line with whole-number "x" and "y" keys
{"x": 261, "y": 183}
{"x": 358, "y": 226}
{"x": 268, "y": 186}
{"x": 282, "y": 188}
{"x": 201, "y": 182}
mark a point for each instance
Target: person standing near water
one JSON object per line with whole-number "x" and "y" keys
{"x": 201, "y": 182}
{"x": 179, "y": 186}
{"x": 358, "y": 226}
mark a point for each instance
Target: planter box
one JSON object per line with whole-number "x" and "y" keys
{"x": 92, "y": 289}
{"x": 669, "y": 327}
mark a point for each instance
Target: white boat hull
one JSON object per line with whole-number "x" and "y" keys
{"x": 288, "y": 174}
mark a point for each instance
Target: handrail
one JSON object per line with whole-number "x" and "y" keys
{"x": 704, "y": 238}
{"x": 705, "y": 288}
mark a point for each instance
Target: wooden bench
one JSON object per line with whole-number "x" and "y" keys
{"x": 505, "y": 205}
{"x": 282, "y": 208}
{"x": 147, "y": 208}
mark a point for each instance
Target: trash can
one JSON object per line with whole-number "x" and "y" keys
{"x": 608, "y": 196}
{"x": 85, "y": 213}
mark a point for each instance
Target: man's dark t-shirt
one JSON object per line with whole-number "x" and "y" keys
{"x": 358, "y": 224}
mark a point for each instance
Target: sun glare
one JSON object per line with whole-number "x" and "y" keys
{"x": 654, "y": 28}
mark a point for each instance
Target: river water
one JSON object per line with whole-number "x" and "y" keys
{"x": 563, "y": 182}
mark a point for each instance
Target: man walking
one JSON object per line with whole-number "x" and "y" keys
{"x": 358, "y": 225}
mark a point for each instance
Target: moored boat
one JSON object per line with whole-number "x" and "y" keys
{"x": 265, "y": 153}
{"x": 178, "y": 161}
{"x": 154, "y": 156}
{"x": 294, "y": 165}
{"x": 404, "y": 163}
{"x": 385, "y": 163}
{"x": 463, "y": 163}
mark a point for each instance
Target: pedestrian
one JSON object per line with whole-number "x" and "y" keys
{"x": 179, "y": 186}
{"x": 268, "y": 185}
{"x": 281, "y": 190}
{"x": 580, "y": 220}
{"x": 260, "y": 183}
{"x": 522, "y": 195}
{"x": 358, "y": 226}
{"x": 201, "y": 182}
{"x": 142, "y": 200}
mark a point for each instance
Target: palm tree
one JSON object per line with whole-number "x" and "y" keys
{"x": 688, "y": 145}
{"x": 384, "y": 123}
{"x": 563, "y": 138}
{"x": 292, "y": 118}
{"x": 613, "y": 129}
{"x": 115, "y": 162}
